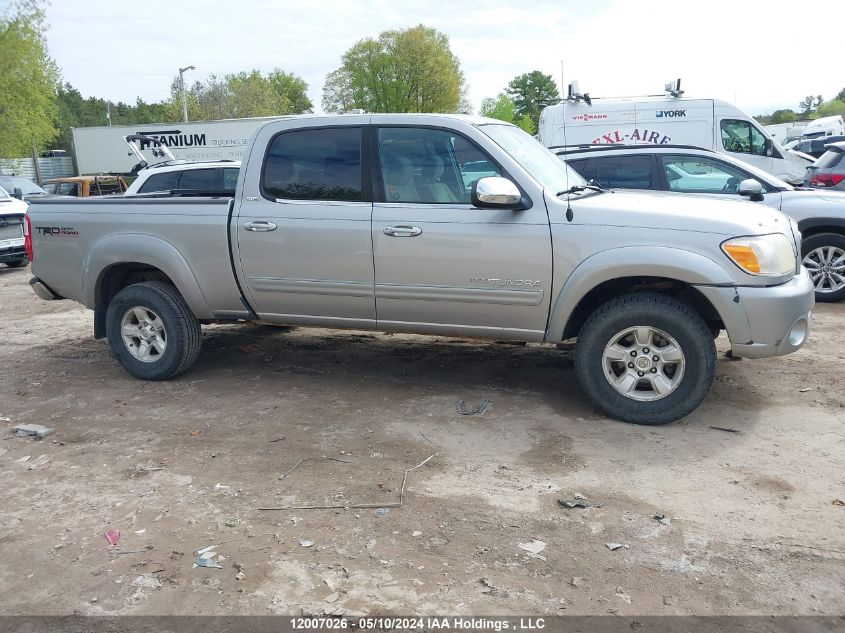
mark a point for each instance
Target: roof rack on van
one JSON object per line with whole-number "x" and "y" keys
{"x": 574, "y": 94}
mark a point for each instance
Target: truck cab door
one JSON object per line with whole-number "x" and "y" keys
{"x": 443, "y": 265}
{"x": 302, "y": 231}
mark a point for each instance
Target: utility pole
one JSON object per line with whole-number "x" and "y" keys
{"x": 108, "y": 111}
{"x": 182, "y": 90}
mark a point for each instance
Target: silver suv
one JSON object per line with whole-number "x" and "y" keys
{"x": 692, "y": 170}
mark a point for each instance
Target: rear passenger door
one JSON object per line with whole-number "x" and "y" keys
{"x": 443, "y": 265}
{"x": 303, "y": 236}
{"x": 619, "y": 172}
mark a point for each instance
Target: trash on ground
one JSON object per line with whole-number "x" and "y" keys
{"x": 534, "y": 548}
{"x": 35, "y": 430}
{"x": 662, "y": 518}
{"x": 221, "y": 487}
{"x": 332, "y": 597}
{"x": 615, "y": 546}
{"x": 207, "y": 562}
{"x": 464, "y": 409}
{"x": 232, "y": 522}
{"x": 41, "y": 460}
{"x": 805, "y": 389}
{"x": 620, "y": 593}
{"x": 140, "y": 531}
{"x": 24, "y": 459}
{"x": 112, "y": 536}
{"x": 150, "y": 582}
{"x": 416, "y": 533}
{"x": 306, "y": 542}
{"x": 576, "y": 581}
{"x": 838, "y": 502}
{"x": 726, "y": 429}
{"x": 578, "y": 501}
{"x": 203, "y": 550}
{"x": 380, "y": 512}
{"x": 240, "y": 575}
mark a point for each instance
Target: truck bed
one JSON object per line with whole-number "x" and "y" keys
{"x": 71, "y": 237}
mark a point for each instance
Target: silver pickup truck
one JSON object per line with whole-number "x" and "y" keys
{"x": 435, "y": 224}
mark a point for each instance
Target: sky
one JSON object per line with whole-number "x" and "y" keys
{"x": 747, "y": 52}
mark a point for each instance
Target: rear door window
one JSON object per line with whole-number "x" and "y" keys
{"x": 164, "y": 181}
{"x": 201, "y": 179}
{"x": 230, "y": 178}
{"x": 831, "y": 158}
{"x": 622, "y": 172}
{"x": 314, "y": 164}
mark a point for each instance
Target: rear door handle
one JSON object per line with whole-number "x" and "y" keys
{"x": 260, "y": 226}
{"x": 402, "y": 231}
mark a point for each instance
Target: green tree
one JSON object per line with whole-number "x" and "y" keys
{"x": 531, "y": 93}
{"x": 810, "y": 104}
{"x": 840, "y": 96}
{"x": 831, "y": 108}
{"x": 782, "y": 116}
{"x": 237, "y": 95}
{"x": 28, "y": 79}
{"x": 504, "y": 109}
{"x": 413, "y": 70}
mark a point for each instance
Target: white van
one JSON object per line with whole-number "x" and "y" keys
{"x": 708, "y": 123}
{"x": 825, "y": 126}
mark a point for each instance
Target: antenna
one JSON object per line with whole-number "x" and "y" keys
{"x": 674, "y": 88}
{"x": 571, "y": 91}
{"x": 575, "y": 95}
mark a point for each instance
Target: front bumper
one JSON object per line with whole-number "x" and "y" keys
{"x": 766, "y": 321}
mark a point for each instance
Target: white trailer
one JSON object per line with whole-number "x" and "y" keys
{"x": 101, "y": 150}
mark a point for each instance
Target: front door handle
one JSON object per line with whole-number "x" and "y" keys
{"x": 260, "y": 226}
{"x": 402, "y": 231}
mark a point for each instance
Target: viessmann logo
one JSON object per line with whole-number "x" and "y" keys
{"x": 588, "y": 116}
{"x": 173, "y": 138}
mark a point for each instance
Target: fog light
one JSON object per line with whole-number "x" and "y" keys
{"x": 798, "y": 332}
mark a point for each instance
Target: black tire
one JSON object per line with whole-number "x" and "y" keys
{"x": 665, "y": 313}
{"x": 183, "y": 331}
{"x": 824, "y": 240}
{"x": 18, "y": 263}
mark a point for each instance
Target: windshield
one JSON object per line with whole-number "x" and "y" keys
{"x": 4, "y": 195}
{"x": 546, "y": 168}
{"x": 27, "y": 187}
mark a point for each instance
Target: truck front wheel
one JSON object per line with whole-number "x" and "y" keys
{"x": 152, "y": 332}
{"x": 645, "y": 358}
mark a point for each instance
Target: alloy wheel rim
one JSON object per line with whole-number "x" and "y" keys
{"x": 143, "y": 334}
{"x": 643, "y": 363}
{"x": 827, "y": 268}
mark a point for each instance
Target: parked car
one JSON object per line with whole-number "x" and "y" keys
{"x": 27, "y": 188}
{"x": 84, "y": 186}
{"x": 12, "y": 250}
{"x": 367, "y": 221}
{"x": 828, "y": 172}
{"x": 214, "y": 176}
{"x": 691, "y": 170}
{"x": 816, "y": 147}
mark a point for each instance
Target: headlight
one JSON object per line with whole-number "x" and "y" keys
{"x": 770, "y": 255}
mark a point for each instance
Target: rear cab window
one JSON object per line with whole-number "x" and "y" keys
{"x": 164, "y": 181}
{"x": 621, "y": 172}
{"x": 314, "y": 164}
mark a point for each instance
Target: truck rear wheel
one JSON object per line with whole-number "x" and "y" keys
{"x": 17, "y": 263}
{"x": 645, "y": 358}
{"x": 152, "y": 331}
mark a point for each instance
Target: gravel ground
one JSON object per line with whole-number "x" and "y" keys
{"x": 754, "y": 522}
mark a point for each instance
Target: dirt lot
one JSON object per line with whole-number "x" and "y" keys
{"x": 754, "y": 526}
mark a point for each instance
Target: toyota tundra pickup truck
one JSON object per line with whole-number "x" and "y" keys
{"x": 435, "y": 224}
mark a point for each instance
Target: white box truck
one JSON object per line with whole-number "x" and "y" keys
{"x": 101, "y": 150}
{"x": 663, "y": 120}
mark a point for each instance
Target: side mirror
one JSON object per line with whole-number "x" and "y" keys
{"x": 495, "y": 192}
{"x": 751, "y": 188}
{"x": 18, "y": 193}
